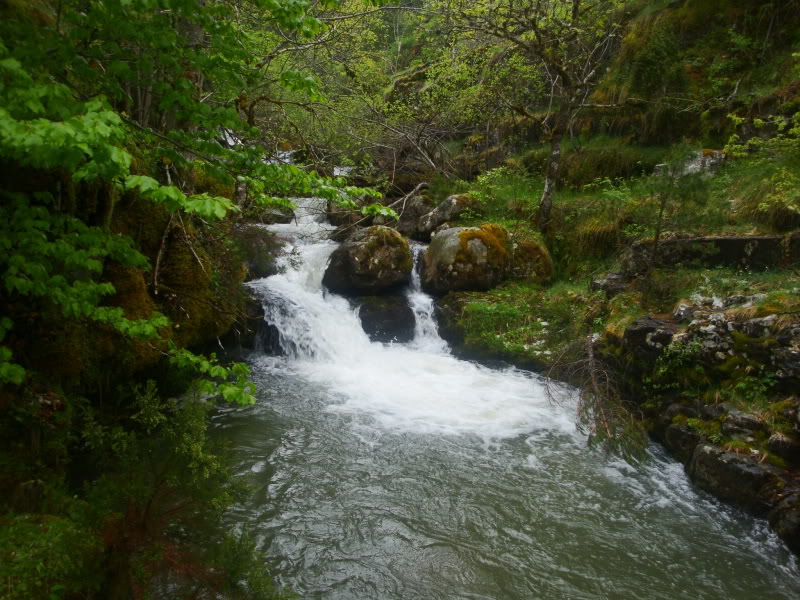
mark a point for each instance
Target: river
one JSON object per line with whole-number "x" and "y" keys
{"x": 397, "y": 471}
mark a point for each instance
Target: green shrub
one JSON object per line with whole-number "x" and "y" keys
{"x": 48, "y": 557}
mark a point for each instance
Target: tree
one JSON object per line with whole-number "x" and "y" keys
{"x": 126, "y": 97}
{"x": 569, "y": 41}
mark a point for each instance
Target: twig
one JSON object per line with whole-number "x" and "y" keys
{"x": 191, "y": 246}
{"x": 161, "y": 253}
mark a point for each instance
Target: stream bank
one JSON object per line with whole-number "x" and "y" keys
{"x": 714, "y": 382}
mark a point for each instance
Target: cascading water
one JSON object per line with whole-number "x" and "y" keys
{"x": 426, "y": 333}
{"x": 396, "y": 471}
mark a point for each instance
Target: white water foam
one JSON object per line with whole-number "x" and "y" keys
{"x": 426, "y": 333}
{"x": 417, "y": 387}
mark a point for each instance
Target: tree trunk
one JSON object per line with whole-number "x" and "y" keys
{"x": 551, "y": 176}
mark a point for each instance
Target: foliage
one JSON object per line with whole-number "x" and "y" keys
{"x": 163, "y": 478}
{"x": 683, "y": 66}
{"x": 102, "y": 103}
{"x": 47, "y": 557}
{"x": 506, "y": 192}
{"x": 53, "y": 257}
{"x": 527, "y": 323}
{"x": 588, "y": 159}
{"x": 231, "y": 383}
{"x": 47, "y": 124}
{"x": 243, "y": 566}
{"x": 676, "y": 369}
{"x": 771, "y": 153}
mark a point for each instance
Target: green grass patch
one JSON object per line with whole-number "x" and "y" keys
{"x": 523, "y": 321}
{"x": 587, "y": 159}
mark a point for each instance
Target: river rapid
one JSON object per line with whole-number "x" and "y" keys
{"x": 397, "y": 471}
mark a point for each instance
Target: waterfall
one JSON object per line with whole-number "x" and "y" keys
{"x": 417, "y": 386}
{"x": 313, "y": 323}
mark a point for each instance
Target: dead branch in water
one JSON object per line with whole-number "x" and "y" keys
{"x": 602, "y": 412}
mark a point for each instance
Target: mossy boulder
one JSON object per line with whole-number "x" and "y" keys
{"x": 259, "y": 248}
{"x": 744, "y": 252}
{"x": 276, "y": 214}
{"x": 467, "y": 259}
{"x": 785, "y": 521}
{"x": 681, "y": 440}
{"x": 531, "y": 261}
{"x": 372, "y": 261}
{"x": 411, "y": 211}
{"x": 448, "y": 210}
{"x": 647, "y": 337}
{"x": 737, "y": 478}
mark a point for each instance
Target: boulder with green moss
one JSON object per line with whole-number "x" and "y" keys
{"x": 453, "y": 207}
{"x": 749, "y": 252}
{"x": 467, "y": 259}
{"x": 530, "y": 261}
{"x": 372, "y": 261}
{"x": 411, "y": 211}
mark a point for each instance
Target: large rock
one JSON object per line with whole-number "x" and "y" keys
{"x": 681, "y": 441}
{"x": 277, "y": 214}
{"x": 785, "y": 446}
{"x": 466, "y": 259}
{"x": 736, "y": 478}
{"x": 530, "y": 261}
{"x": 372, "y": 261}
{"x": 386, "y": 318}
{"x": 411, "y": 211}
{"x": 726, "y": 342}
{"x": 744, "y": 252}
{"x": 786, "y": 355}
{"x": 646, "y": 337}
{"x": 785, "y": 520}
{"x": 448, "y": 210}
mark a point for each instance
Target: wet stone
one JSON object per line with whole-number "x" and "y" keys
{"x": 736, "y": 478}
{"x": 681, "y": 440}
{"x": 785, "y": 521}
{"x": 788, "y": 448}
{"x": 743, "y": 420}
{"x": 386, "y": 318}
